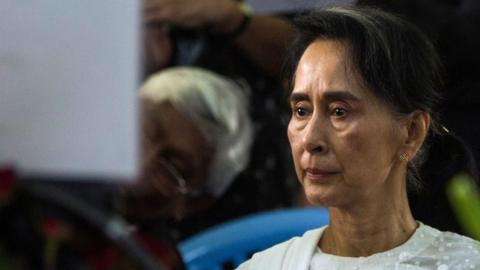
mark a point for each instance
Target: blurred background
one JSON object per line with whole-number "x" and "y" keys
{"x": 128, "y": 128}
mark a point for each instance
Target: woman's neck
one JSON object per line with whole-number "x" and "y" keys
{"x": 368, "y": 228}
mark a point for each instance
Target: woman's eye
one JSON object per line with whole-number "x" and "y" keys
{"x": 339, "y": 112}
{"x": 300, "y": 112}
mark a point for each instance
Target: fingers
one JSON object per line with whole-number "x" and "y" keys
{"x": 186, "y": 13}
{"x": 158, "y": 11}
{"x": 158, "y": 15}
{"x": 178, "y": 12}
{"x": 156, "y": 4}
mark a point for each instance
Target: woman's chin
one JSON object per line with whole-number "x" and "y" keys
{"x": 319, "y": 199}
{"x": 319, "y": 195}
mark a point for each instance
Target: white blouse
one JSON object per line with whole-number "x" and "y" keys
{"x": 427, "y": 248}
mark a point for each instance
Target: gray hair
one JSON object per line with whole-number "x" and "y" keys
{"x": 218, "y": 107}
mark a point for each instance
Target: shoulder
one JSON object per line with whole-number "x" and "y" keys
{"x": 272, "y": 257}
{"x": 455, "y": 243}
{"x": 459, "y": 245}
{"x": 280, "y": 256}
{"x": 454, "y": 249}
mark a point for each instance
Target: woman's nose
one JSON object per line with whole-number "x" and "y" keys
{"x": 314, "y": 137}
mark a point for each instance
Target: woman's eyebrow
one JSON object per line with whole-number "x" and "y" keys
{"x": 340, "y": 95}
{"x": 328, "y": 96}
{"x": 297, "y": 97}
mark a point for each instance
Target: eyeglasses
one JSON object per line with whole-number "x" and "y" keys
{"x": 180, "y": 182}
{"x": 172, "y": 173}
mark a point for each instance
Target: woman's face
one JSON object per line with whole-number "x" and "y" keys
{"x": 171, "y": 136}
{"x": 345, "y": 141}
{"x": 172, "y": 147}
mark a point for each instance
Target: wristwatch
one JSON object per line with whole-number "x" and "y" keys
{"x": 247, "y": 13}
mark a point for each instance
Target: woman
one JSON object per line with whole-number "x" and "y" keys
{"x": 363, "y": 102}
{"x": 196, "y": 138}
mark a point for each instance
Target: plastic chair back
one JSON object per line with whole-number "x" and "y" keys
{"x": 231, "y": 243}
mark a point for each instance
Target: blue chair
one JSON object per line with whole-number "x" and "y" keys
{"x": 233, "y": 242}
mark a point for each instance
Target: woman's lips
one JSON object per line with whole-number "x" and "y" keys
{"x": 319, "y": 174}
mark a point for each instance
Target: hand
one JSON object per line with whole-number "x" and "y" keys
{"x": 192, "y": 13}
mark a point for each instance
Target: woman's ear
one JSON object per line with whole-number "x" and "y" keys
{"x": 418, "y": 125}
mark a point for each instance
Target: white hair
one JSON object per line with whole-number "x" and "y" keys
{"x": 218, "y": 106}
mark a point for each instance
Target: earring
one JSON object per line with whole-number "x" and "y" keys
{"x": 404, "y": 157}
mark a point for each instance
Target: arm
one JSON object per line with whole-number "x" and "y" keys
{"x": 157, "y": 48}
{"x": 264, "y": 40}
